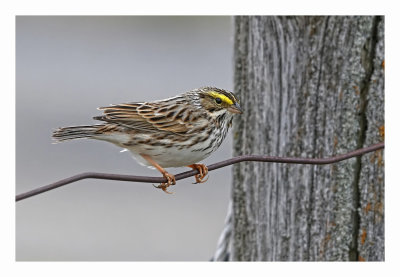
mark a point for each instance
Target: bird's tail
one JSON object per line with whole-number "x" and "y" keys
{"x": 76, "y": 132}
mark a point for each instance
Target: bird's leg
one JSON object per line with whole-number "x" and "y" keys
{"x": 203, "y": 171}
{"x": 170, "y": 177}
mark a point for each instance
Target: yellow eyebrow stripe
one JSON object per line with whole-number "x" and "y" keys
{"x": 223, "y": 97}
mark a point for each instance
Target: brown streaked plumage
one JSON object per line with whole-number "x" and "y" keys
{"x": 174, "y": 132}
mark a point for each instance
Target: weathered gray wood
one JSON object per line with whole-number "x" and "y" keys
{"x": 371, "y": 183}
{"x": 310, "y": 87}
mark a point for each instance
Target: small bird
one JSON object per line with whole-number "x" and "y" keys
{"x": 174, "y": 132}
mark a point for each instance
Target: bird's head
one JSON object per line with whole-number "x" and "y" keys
{"x": 218, "y": 101}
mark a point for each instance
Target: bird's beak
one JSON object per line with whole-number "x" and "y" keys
{"x": 235, "y": 108}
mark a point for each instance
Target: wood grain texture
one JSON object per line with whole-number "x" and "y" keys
{"x": 310, "y": 87}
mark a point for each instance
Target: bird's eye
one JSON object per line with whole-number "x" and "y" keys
{"x": 218, "y": 100}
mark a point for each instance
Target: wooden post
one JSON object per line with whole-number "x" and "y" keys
{"x": 309, "y": 87}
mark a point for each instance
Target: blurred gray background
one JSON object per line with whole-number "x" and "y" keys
{"x": 66, "y": 68}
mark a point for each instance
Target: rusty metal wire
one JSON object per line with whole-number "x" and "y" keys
{"x": 184, "y": 175}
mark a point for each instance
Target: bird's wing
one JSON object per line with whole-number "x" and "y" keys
{"x": 147, "y": 117}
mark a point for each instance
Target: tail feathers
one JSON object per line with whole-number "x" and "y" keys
{"x": 75, "y": 132}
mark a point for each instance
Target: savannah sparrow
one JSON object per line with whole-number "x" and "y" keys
{"x": 174, "y": 132}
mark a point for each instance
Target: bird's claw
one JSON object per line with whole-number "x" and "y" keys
{"x": 200, "y": 180}
{"x": 203, "y": 171}
{"x": 170, "y": 182}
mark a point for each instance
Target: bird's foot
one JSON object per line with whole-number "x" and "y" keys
{"x": 170, "y": 182}
{"x": 170, "y": 178}
{"x": 203, "y": 171}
